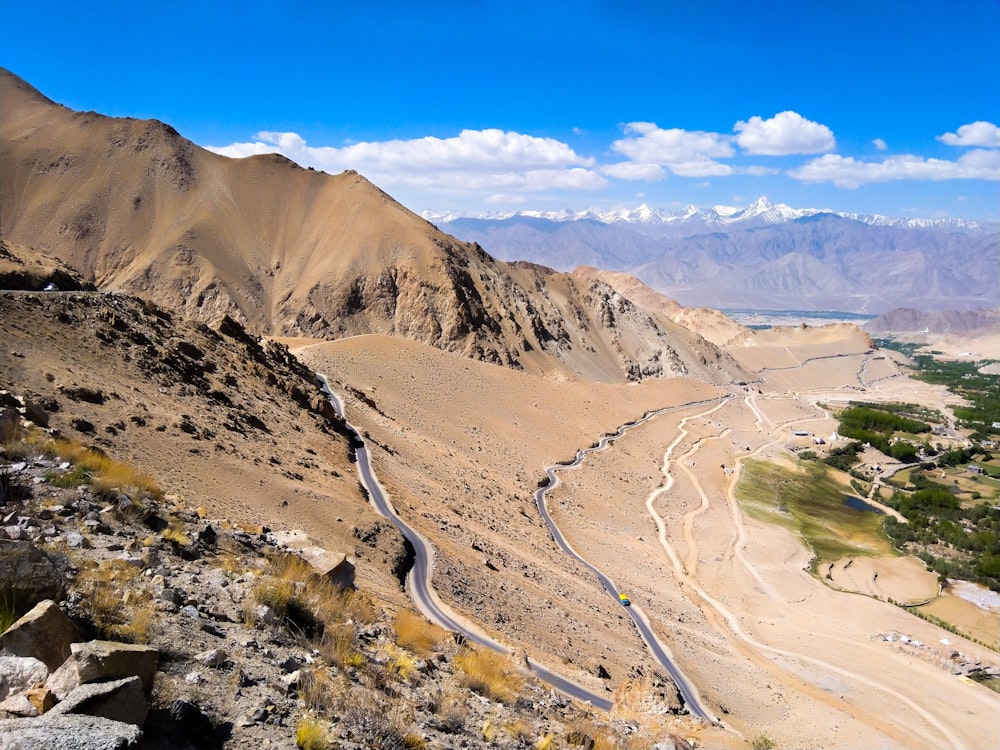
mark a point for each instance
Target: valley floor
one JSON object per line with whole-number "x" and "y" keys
{"x": 772, "y": 648}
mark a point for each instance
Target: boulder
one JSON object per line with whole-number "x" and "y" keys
{"x": 35, "y": 413}
{"x": 68, "y": 732}
{"x": 97, "y": 661}
{"x": 118, "y": 700}
{"x": 29, "y": 575}
{"x": 44, "y": 632}
{"x": 18, "y": 673}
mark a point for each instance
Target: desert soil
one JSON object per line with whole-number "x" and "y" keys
{"x": 770, "y": 647}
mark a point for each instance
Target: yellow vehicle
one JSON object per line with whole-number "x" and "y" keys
{"x": 624, "y": 600}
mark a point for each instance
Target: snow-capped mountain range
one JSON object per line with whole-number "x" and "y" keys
{"x": 764, "y": 256}
{"x": 759, "y": 213}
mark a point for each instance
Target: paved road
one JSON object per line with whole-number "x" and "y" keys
{"x": 689, "y": 695}
{"x": 419, "y": 578}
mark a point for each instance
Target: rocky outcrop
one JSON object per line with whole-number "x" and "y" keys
{"x": 68, "y": 732}
{"x": 44, "y": 633}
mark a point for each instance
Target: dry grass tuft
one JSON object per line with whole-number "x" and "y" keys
{"x": 451, "y": 710}
{"x": 489, "y": 674}
{"x": 337, "y": 647}
{"x": 311, "y": 734}
{"x": 107, "y": 475}
{"x": 400, "y": 663}
{"x": 120, "y": 609}
{"x": 176, "y": 535}
{"x": 320, "y": 691}
{"x": 416, "y": 634}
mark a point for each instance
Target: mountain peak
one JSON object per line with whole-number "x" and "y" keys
{"x": 759, "y": 206}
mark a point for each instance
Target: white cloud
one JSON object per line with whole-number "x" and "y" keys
{"x": 758, "y": 171}
{"x": 634, "y": 170}
{"x": 493, "y": 160}
{"x": 503, "y": 199}
{"x": 847, "y": 172}
{"x": 785, "y": 133}
{"x": 688, "y": 153}
{"x": 880, "y": 144}
{"x": 978, "y": 133}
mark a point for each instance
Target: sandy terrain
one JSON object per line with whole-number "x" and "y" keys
{"x": 770, "y": 647}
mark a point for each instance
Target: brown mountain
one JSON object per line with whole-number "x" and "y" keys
{"x": 289, "y": 251}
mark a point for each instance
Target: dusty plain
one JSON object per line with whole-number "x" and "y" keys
{"x": 772, "y": 648}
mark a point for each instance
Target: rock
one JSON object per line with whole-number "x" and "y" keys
{"x": 190, "y": 611}
{"x": 288, "y": 665}
{"x": 68, "y": 732}
{"x": 18, "y": 673}
{"x": 212, "y": 629}
{"x": 41, "y": 698}
{"x": 119, "y": 700}
{"x": 17, "y": 705}
{"x": 171, "y": 595}
{"x": 29, "y": 574}
{"x": 44, "y": 633}
{"x": 36, "y": 413}
{"x": 104, "y": 660}
{"x": 215, "y": 657}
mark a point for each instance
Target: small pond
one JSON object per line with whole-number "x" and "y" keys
{"x": 858, "y": 504}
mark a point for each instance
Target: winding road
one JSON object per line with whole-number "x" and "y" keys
{"x": 418, "y": 580}
{"x": 692, "y": 701}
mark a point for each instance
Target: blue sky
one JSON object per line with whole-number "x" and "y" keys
{"x": 873, "y": 106}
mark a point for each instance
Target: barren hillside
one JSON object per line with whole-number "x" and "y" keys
{"x": 289, "y": 251}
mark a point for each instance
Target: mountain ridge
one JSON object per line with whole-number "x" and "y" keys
{"x": 760, "y": 211}
{"x": 289, "y": 251}
{"x": 815, "y": 261}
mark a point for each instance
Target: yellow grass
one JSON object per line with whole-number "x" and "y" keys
{"x": 415, "y": 633}
{"x": 174, "y": 533}
{"x": 108, "y": 475}
{"x": 338, "y": 649}
{"x": 490, "y": 674}
{"x": 320, "y": 691}
{"x": 118, "y": 607}
{"x": 311, "y": 734}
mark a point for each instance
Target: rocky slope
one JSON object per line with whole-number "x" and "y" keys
{"x": 289, "y": 251}
{"x": 131, "y": 622}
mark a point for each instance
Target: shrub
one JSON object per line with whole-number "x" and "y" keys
{"x": 310, "y": 734}
{"x": 337, "y": 647}
{"x": 118, "y": 608}
{"x": 289, "y": 603}
{"x": 416, "y": 634}
{"x": 489, "y": 674}
{"x": 370, "y": 722}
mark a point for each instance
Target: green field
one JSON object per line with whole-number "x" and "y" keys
{"x": 809, "y": 501}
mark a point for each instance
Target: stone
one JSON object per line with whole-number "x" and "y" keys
{"x": 96, "y": 661}
{"x": 41, "y": 698}
{"x": 29, "y": 574}
{"x": 35, "y": 413}
{"x": 44, "y": 632}
{"x": 17, "y": 673}
{"x": 17, "y": 705}
{"x": 215, "y": 657}
{"x": 119, "y": 700}
{"x": 65, "y": 732}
